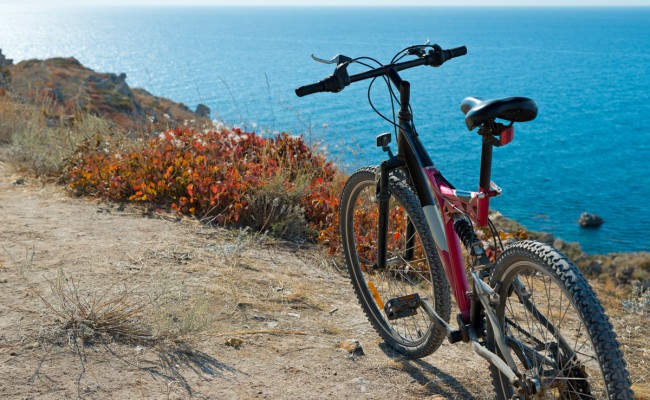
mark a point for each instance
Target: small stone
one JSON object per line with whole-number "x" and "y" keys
{"x": 294, "y": 315}
{"x": 362, "y": 383}
{"x": 590, "y": 220}
{"x": 234, "y": 342}
{"x": 353, "y": 347}
{"x": 20, "y": 181}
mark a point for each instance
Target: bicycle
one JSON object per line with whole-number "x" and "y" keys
{"x": 524, "y": 306}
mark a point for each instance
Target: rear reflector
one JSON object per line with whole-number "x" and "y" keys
{"x": 507, "y": 134}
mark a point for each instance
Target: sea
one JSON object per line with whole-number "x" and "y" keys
{"x": 588, "y": 69}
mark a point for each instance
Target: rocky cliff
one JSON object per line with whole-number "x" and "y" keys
{"x": 68, "y": 87}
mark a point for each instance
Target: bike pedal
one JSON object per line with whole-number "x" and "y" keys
{"x": 402, "y": 307}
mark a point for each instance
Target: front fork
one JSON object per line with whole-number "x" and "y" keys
{"x": 383, "y": 202}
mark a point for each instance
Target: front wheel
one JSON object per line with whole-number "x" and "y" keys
{"x": 413, "y": 266}
{"x": 555, "y": 328}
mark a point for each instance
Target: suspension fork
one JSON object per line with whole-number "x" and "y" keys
{"x": 383, "y": 198}
{"x": 383, "y": 194}
{"x": 383, "y": 202}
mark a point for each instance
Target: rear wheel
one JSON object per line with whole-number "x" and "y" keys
{"x": 555, "y": 328}
{"x": 413, "y": 263}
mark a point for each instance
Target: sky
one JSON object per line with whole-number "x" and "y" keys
{"x": 77, "y": 3}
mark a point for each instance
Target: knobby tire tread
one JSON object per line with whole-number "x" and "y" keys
{"x": 411, "y": 203}
{"x": 588, "y": 306}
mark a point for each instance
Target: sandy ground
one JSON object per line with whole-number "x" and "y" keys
{"x": 289, "y": 308}
{"x": 243, "y": 318}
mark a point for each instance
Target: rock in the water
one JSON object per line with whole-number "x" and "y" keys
{"x": 589, "y": 220}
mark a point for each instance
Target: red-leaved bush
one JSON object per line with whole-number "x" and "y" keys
{"x": 212, "y": 175}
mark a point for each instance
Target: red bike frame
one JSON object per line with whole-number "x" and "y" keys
{"x": 440, "y": 201}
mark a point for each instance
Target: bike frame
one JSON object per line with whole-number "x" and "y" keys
{"x": 441, "y": 203}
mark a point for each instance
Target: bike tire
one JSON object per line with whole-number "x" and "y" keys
{"x": 414, "y": 336}
{"x": 567, "y": 325}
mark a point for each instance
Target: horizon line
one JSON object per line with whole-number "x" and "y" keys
{"x": 262, "y": 5}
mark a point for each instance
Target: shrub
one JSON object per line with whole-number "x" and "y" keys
{"x": 228, "y": 177}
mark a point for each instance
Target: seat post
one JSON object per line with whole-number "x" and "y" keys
{"x": 486, "y": 163}
{"x": 484, "y": 179}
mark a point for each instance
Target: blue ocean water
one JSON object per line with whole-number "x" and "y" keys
{"x": 587, "y": 68}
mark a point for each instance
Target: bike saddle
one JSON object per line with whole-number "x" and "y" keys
{"x": 516, "y": 109}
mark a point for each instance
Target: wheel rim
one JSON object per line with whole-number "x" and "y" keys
{"x": 547, "y": 336}
{"x": 402, "y": 277}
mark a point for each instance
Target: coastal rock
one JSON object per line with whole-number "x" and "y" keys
{"x": 623, "y": 276}
{"x": 203, "y": 111}
{"x": 4, "y": 61}
{"x": 594, "y": 268}
{"x": 71, "y": 87}
{"x": 544, "y": 237}
{"x": 589, "y": 220}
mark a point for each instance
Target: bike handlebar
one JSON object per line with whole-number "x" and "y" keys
{"x": 340, "y": 78}
{"x": 310, "y": 89}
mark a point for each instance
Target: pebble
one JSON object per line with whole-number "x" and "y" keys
{"x": 353, "y": 347}
{"x": 32, "y": 345}
{"x": 362, "y": 383}
{"x": 234, "y": 342}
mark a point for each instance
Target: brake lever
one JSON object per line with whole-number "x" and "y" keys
{"x": 338, "y": 59}
{"x": 418, "y": 50}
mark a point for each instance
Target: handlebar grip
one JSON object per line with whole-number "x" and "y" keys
{"x": 437, "y": 56}
{"x": 310, "y": 89}
{"x": 457, "y": 52}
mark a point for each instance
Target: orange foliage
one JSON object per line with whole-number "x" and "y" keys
{"x": 208, "y": 174}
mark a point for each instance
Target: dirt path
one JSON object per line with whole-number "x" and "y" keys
{"x": 289, "y": 309}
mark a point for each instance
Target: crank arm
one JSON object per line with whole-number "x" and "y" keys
{"x": 426, "y": 307}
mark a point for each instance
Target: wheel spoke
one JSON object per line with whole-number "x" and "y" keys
{"x": 548, "y": 311}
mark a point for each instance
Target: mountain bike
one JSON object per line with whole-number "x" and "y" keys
{"x": 409, "y": 238}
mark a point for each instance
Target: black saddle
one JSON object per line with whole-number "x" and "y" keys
{"x": 516, "y": 109}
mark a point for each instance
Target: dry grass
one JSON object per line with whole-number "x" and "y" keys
{"x": 40, "y": 137}
{"x": 111, "y": 314}
{"x": 628, "y": 309}
{"x": 164, "y": 311}
{"x": 175, "y": 311}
